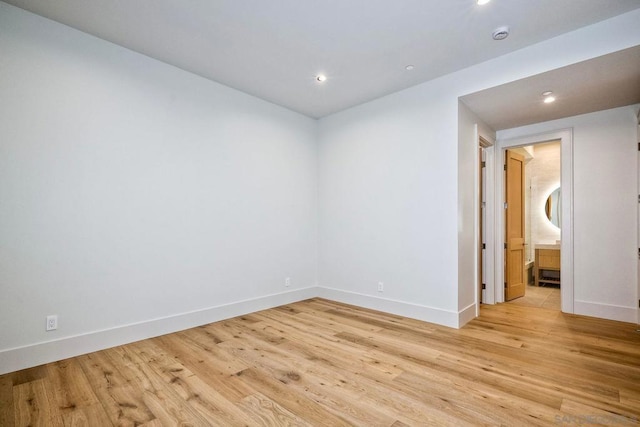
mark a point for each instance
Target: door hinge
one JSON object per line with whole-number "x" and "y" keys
{"x": 483, "y": 164}
{"x": 505, "y": 246}
{"x": 505, "y": 166}
{"x": 506, "y": 205}
{"x": 638, "y": 146}
{"x": 505, "y": 285}
{"x": 484, "y": 246}
{"x": 484, "y": 286}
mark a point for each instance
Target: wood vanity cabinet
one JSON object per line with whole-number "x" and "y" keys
{"x": 547, "y": 260}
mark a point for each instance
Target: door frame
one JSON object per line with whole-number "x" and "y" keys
{"x": 638, "y": 292}
{"x": 496, "y": 181}
{"x": 485, "y": 138}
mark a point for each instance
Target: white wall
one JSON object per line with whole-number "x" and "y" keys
{"x": 528, "y": 248}
{"x": 132, "y": 191}
{"x": 381, "y": 216}
{"x": 544, "y": 168}
{"x": 390, "y": 174}
{"x": 605, "y": 174}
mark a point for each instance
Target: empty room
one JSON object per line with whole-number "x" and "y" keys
{"x": 367, "y": 213}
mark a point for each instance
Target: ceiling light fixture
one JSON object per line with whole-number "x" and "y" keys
{"x": 482, "y": 2}
{"x": 321, "y": 78}
{"x": 548, "y": 98}
{"x": 409, "y": 67}
{"x": 500, "y": 33}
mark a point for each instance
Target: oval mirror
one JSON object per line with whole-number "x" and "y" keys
{"x": 552, "y": 207}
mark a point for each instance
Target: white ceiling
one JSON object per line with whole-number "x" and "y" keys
{"x": 274, "y": 49}
{"x": 601, "y": 83}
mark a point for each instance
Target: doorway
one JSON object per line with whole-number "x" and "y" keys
{"x": 496, "y": 239}
{"x": 533, "y": 233}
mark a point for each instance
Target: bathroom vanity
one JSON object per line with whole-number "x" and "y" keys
{"x": 547, "y": 264}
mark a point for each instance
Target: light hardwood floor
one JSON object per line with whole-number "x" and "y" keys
{"x": 323, "y": 363}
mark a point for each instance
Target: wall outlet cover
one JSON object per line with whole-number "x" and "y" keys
{"x": 52, "y": 322}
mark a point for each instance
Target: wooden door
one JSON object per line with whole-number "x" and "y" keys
{"x": 514, "y": 238}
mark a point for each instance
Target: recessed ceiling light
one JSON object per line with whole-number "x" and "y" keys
{"x": 321, "y": 78}
{"x": 547, "y": 93}
{"x": 482, "y": 2}
{"x": 409, "y": 67}
{"x": 549, "y": 99}
{"x": 500, "y": 33}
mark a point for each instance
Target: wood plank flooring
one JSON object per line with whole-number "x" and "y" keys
{"x": 321, "y": 363}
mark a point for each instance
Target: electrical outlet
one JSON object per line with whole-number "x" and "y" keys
{"x": 287, "y": 282}
{"x": 52, "y": 322}
{"x": 380, "y": 287}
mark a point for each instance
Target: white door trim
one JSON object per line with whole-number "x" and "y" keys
{"x": 496, "y": 287}
{"x": 489, "y": 227}
{"x": 638, "y": 290}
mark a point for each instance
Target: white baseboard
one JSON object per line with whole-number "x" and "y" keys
{"x": 466, "y": 315}
{"x": 606, "y": 311}
{"x": 400, "y": 308}
{"x": 15, "y": 359}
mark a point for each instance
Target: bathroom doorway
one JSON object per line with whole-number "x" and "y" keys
{"x": 538, "y": 226}
{"x": 494, "y": 255}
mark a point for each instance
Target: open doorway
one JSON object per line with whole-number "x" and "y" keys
{"x": 539, "y": 257}
{"x": 495, "y": 241}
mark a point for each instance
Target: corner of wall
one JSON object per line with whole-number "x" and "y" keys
{"x": 399, "y": 308}
{"x": 467, "y": 314}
